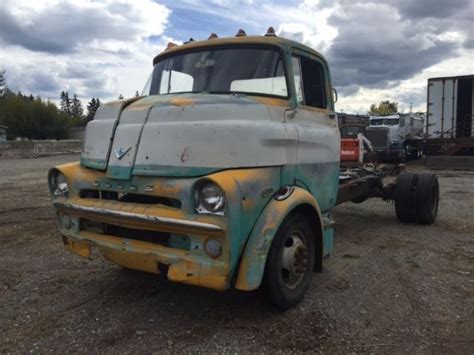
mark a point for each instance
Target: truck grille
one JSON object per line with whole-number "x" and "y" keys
{"x": 130, "y": 198}
{"x": 154, "y": 237}
{"x": 378, "y": 137}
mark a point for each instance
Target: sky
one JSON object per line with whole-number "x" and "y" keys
{"x": 377, "y": 50}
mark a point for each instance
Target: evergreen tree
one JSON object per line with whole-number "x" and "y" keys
{"x": 33, "y": 119}
{"x": 76, "y": 107}
{"x": 92, "y": 107}
{"x": 65, "y": 103}
{"x": 3, "y": 84}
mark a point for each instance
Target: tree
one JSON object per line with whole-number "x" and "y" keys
{"x": 33, "y": 119}
{"x": 383, "y": 108}
{"x": 137, "y": 93}
{"x": 65, "y": 102}
{"x": 3, "y": 84}
{"x": 92, "y": 107}
{"x": 76, "y": 107}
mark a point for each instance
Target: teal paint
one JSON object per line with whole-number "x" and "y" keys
{"x": 322, "y": 181}
{"x": 328, "y": 240}
{"x": 261, "y": 238}
{"x": 99, "y": 164}
{"x": 173, "y": 171}
{"x": 119, "y": 172}
{"x": 179, "y": 241}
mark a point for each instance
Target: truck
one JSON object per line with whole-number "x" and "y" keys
{"x": 224, "y": 173}
{"x": 396, "y": 137}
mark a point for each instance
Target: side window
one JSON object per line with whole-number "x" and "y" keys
{"x": 295, "y": 63}
{"x": 312, "y": 74}
{"x": 175, "y": 81}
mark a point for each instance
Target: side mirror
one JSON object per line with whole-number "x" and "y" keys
{"x": 334, "y": 95}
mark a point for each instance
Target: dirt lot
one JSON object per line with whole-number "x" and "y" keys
{"x": 390, "y": 287}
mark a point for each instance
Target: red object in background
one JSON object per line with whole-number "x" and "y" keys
{"x": 350, "y": 149}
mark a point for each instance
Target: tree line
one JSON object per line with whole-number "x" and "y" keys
{"x": 27, "y": 116}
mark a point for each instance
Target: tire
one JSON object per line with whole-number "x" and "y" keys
{"x": 284, "y": 285}
{"x": 426, "y": 199}
{"x": 404, "y": 197}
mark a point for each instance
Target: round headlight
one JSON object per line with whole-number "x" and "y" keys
{"x": 210, "y": 199}
{"x": 58, "y": 183}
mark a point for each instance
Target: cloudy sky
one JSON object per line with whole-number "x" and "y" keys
{"x": 377, "y": 50}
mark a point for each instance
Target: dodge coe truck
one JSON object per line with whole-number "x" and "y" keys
{"x": 223, "y": 174}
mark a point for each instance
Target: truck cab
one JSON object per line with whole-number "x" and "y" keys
{"x": 396, "y": 136}
{"x": 222, "y": 174}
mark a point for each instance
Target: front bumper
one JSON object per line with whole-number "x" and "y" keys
{"x": 191, "y": 266}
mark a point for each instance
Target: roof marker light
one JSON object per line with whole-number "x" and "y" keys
{"x": 270, "y": 32}
{"x": 213, "y": 36}
{"x": 241, "y": 33}
{"x": 171, "y": 45}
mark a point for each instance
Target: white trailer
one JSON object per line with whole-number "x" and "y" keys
{"x": 450, "y": 107}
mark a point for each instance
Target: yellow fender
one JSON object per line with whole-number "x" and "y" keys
{"x": 252, "y": 264}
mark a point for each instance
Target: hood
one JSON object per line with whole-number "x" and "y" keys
{"x": 185, "y": 135}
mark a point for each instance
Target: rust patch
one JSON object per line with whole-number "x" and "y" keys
{"x": 180, "y": 101}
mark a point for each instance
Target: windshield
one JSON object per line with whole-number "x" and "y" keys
{"x": 385, "y": 121}
{"x": 220, "y": 71}
{"x": 351, "y": 131}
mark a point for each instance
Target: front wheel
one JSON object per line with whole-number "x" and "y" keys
{"x": 290, "y": 262}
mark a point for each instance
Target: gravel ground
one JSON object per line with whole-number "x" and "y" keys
{"x": 389, "y": 287}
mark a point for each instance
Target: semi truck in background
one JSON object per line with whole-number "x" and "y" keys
{"x": 449, "y": 126}
{"x": 396, "y": 137}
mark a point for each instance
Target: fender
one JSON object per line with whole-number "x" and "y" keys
{"x": 253, "y": 260}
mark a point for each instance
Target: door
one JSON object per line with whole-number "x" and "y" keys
{"x": 317, "y": 165}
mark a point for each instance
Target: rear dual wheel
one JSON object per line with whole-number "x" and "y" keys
{"x": 417, "y": 198}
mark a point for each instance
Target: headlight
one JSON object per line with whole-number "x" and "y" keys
{"x": 209, "y": 198}
{"x": 57, "y": 183}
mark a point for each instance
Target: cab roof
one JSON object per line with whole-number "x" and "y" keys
{"x": 283, "y": 43}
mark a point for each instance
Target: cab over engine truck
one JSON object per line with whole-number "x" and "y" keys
{"x": 224, "y": 173}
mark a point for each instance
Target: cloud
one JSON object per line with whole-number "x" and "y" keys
{"x": 91, "y": 48}
{"x": 376, "y": 46}
{"x": 63, "y": 27}
{"x": 377, "y": 50}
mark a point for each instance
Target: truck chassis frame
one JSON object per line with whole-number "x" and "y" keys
{"x": 416, "y": 196}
